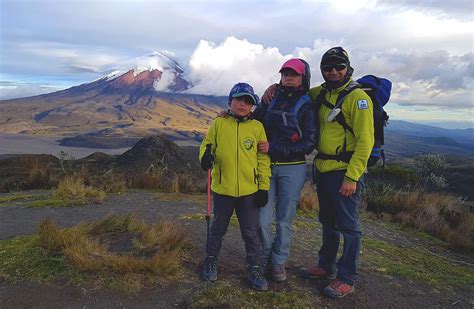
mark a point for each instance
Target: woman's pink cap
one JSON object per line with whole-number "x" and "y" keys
{"x": 295, "y": 64}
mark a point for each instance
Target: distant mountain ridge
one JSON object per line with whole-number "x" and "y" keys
{"x": 147, "y": 95}
{"x": 144, "y": 98}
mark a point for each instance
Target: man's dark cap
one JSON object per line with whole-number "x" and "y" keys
{"x": 335, "y": 53}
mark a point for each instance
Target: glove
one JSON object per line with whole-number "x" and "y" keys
{"x": 207, "y": 159}
{"x": 261, "y": 198}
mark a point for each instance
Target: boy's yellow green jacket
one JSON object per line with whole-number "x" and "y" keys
{"x": 331, "y": 134}
{"x": 239, "y": 169}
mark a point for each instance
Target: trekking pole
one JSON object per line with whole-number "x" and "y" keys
{"x": 208, "y": 214}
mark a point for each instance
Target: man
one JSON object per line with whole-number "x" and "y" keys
{"x": 343, "y": 152}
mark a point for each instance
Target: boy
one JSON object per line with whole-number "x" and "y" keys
{"x": 240, "y": 180}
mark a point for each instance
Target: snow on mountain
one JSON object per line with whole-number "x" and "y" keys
{"x": 170, "y": 78}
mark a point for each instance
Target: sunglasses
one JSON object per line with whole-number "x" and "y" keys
{"x": 329, "y": 67}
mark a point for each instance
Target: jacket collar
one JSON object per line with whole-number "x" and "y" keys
{"x": 338, "y": 90}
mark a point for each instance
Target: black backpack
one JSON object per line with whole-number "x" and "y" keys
{"x": 378, "y": 89}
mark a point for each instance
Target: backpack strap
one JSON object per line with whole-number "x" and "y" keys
{"x": 294, "y": 111}
{"x": 344, "y": 155}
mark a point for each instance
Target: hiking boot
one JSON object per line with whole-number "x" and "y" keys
{"x": 338, "y": 289}
{"x": 278, "y": 272}
{"x": 316, "y": 272}
{"x": 209, "y": 269}
{"x": 256, "y": 278}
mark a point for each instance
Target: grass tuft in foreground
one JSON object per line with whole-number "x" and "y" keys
{"x": 117, "y": 252}
{"x": 223, "y": 294}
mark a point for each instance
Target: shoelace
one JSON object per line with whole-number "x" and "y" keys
{"x": 279, "y": 268}
{"x": 256, "y": 274}
{"x": 212, "y": 266}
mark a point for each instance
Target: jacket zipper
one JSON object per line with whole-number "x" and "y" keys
{"x": 220, "y": 174}
{"x": 237, "y": 152}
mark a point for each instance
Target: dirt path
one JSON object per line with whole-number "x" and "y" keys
{"x": 375, "y": 290}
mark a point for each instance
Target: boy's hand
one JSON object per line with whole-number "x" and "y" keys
{"x": 263, "y": 146}
{"x": 261, "y": 198}
{"x": 207, "y": 159}
{"x": 269, "y": 94}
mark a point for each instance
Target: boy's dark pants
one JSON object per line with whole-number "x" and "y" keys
{"x": 339, "y": 215}
{"x": 247, "y": 214}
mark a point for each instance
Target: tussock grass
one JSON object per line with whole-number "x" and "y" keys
{"x": 110, "y": 183}
{"x": 121, "y": 253}
{"x": 40, "y": 176}
{"x": 73, "y": 188}
{"x": 309, "y": 198}
{"x": 439, "y": 214}
{"x": 155, "y": 249}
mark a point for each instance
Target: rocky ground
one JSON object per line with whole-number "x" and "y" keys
{"x": 393, "y": 267}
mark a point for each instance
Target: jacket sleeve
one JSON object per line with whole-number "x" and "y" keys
{"x": 307, "y": 142}
{"x": 210, "y": 138}
{"x": 363, "y": 126}
{"x": 263, "y": 167}
{"x": 259, "y": 112}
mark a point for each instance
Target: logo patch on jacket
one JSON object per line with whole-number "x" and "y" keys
{"x": 248, "y": 143}
{"x": 363, "y": 104}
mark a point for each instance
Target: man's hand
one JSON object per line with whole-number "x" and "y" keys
{"x": 348, "y": 188}
{"x": 263, "y": 146}
{"x": 269, "y": 94}
{"x": 261, "y": 198}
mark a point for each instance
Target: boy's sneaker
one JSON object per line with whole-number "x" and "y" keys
{"x": 316, "y": 272}
{"x": 209, "y": 269}
{"x": 256, "y": 278}
{"x": 278, "y": 272}
{"x": 338, "y": 289}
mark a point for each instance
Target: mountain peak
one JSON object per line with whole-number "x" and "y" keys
{"x": 154, "y": 71}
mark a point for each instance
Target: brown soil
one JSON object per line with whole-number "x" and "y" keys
{"x": 374, "y": 290}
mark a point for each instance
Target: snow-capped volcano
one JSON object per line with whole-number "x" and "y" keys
{"x": 155, "y": 71}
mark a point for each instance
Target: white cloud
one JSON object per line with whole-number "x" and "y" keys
{"x": 167, "y": 79}
{"x": 214, "y": 69}
{"x": 9, "y": 90}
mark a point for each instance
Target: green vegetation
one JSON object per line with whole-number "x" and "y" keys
{"x": 224, "y": 294}
{"x": 11, "y": 198}
{"x": 116, "y": 252}
{"x": 416, "y": 263}
{"x": 202, "y": 217}
{"x": 55, "y": 202}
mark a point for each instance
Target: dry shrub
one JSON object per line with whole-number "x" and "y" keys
{"x": 309, "y": 198}
{"x": 74, "y": 189}
{"x": 439, "y": 214}
{"x": 85, "y": 246}
{"x": 171, "y": 184}
{"x": 113, "y": 184}
{"x": 146, "y": 181}
{"x": 39, "y": 176}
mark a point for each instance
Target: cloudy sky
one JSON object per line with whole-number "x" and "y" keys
{"x": 424, "y": 47}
